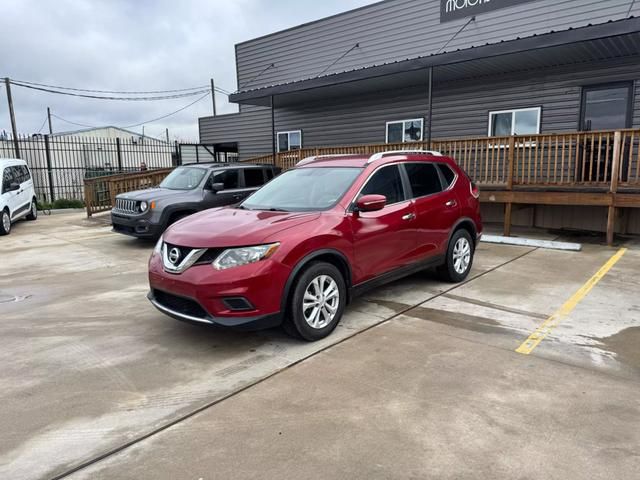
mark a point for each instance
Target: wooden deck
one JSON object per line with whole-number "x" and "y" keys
{"x": 572, "y": 168}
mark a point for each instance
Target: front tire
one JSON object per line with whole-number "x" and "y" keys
{"x": 5, "y": 223}
{"x": 33, "y": 214}
{"x": 459, "y": 257}
{"x": 318, "y": 302}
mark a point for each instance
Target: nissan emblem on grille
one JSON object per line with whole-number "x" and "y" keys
{"x": 174, "y": 255}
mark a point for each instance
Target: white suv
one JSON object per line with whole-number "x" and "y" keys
{"x": 17, "y": 196}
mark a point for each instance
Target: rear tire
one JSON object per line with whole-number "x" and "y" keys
{"x": 5, "y": 222}
{"x": 318, "y": 302}
{"x": 33, "y": 214}
{"x": 459, "y": 257}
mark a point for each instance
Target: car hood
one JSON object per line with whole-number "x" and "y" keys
{"x": 151, "y": 194}
{"x": 229, "y": 227}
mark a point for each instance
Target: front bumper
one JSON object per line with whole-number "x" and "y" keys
{"x": 258, "y": 322}
{"x": 204, "y": 295}
{"x": 135, "y": 227}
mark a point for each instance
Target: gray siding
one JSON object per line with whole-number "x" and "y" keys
{"x": 251, "y": 128}
{"x": 399, "y": 29}
{"x": 460, "y": 108}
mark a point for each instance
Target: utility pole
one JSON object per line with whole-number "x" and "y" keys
{"x": 213, "y": 97}
{"x": 49, "y": 117}
{"x": 14, "y": 129}
{"x": 166, "y": 131}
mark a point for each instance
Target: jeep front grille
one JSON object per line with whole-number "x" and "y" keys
{"x": 126, "y": 206}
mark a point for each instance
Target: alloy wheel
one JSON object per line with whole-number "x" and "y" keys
{"x": 321, "y": 301}
{"x": 6, "y": 221}
{"x": 461, "y": 255}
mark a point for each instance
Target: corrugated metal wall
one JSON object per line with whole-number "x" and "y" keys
{"x": 399, "y": 29}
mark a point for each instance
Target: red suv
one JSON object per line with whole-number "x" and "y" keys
{"x": 297, "y": 250}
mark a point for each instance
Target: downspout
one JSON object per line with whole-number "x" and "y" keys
{"x": 430, "y": 106}
{"x": 273, "y": 131}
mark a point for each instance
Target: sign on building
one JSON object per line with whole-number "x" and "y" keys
{"x": 452, "y": 9}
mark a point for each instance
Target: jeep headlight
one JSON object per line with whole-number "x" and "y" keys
{"x": 144, "y": 206}
{"x": 234, "y": 257}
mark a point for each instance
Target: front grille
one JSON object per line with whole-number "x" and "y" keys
{"x": 182, "y": 305}
{"x": 126, "y": 206}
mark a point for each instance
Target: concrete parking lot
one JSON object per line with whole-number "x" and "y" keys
{"x": 421, "y": 379}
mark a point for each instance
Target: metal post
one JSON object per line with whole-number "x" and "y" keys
{"x": 119, "y": 153}
{"x": 213, "y": 97}
{"x": 47, "y": 151}
{"x": 430, "y": 107}
{"x": 49, "y": 118}
{"x": 273, "y": 131}
{"x": 14, "y": 129}
{"x": 166, "y": 131}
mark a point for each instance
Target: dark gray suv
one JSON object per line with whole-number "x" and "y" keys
{"x": 186, "y": 190}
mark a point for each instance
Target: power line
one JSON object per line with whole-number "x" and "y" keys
{"x": 43, "y": 123}
{"x": 123, "y": 92}
{"x": 137, "y": 124}
{"x": 99, "y": 97}
{"x": 251, "y": 80}
{"x": 72, "y": 123}
{"x": 172, "y": 113}
{"x": 472, "y": 19}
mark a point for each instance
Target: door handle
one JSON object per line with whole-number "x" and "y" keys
{"x": 409, "y": 216}
{"x": 237, "y": 196}
{"x": 451, "y": 203}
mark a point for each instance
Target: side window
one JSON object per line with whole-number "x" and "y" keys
{"x": 448, "y": 174}
{"x": 229, "y": 177}
{"x": 26, "y": 174}
{"x": 7, "y": 178}
{"x": 253, "y": 177}
{"x": 387, "y": 182}
{"x": 424, "y": 179}
{"x": 269, "y": 172}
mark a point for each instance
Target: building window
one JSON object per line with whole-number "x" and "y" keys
{"x": 401, "y": 131}
{"x": 289, "y": 140}
{"x": 521, "y": 121}
{"x": 606, "y": 107}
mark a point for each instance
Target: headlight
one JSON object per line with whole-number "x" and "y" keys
{"x": 158, "y": 248}
{"x": 234, "y": 257}
{"x": 143, "y": 206}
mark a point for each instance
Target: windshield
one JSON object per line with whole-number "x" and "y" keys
{"x": 304, "y": 189}
{"x": 184, "y": 178}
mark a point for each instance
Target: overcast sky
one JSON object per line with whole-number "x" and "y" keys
{"x": 133, "y": 45}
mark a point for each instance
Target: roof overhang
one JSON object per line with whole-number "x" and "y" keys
{"x": 614, "y": 39}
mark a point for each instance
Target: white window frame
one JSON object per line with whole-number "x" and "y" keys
{"x": 288, "y": 132}
{"x": 513, "y": 119}
{"x": 421, "y": 120}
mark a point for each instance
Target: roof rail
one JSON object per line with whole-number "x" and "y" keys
{"x": 379, "y": 155}
{"x": 306, "y": 160}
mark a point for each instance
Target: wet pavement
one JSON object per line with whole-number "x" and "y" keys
{"x": 420, "y": 373}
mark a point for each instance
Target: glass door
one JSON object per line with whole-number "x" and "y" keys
{"x": 606, "y": 107}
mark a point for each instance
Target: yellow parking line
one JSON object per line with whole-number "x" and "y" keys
{"x": 550, "y": 323}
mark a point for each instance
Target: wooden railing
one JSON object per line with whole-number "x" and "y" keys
{"x": 571, "y": 159}
{"x": 100, "y": 192}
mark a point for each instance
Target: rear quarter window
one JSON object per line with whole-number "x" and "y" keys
{"x": 448, "y": 174}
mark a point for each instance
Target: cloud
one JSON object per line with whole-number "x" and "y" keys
{"x": 133, "y": 45}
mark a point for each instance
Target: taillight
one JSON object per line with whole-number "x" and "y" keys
{"x": 475, "y": 191}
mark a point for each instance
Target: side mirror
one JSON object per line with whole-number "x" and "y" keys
{"x": 371, "y": 203}
{"x": 13, "y": 186}
{"x": 216, "y": 187}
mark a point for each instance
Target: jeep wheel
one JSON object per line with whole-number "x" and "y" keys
{"x": 33, "y": 214}
{"x": 5, "y": 223}
{"x": 459, "y": 257}
{"x": 317, "y": 303}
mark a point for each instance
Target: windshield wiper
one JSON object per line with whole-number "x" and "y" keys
{"x": 273, "y": 209}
